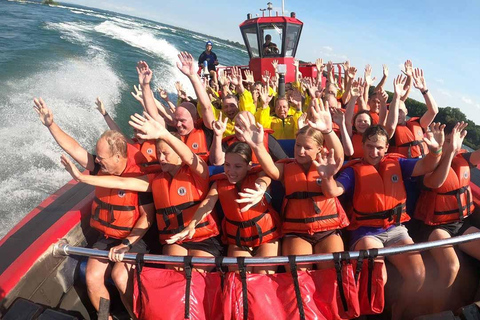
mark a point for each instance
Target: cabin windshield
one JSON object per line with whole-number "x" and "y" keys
{"x": 251, "y": 39}
{"x": 272, "y": 39}
{"x": 291, "y": 41}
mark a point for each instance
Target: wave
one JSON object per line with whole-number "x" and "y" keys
{"x": 145, "y": 40}
{"x": 69, "y": 89}
{"x": 73, "y": 32}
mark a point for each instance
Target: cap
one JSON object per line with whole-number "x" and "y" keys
{"x": 209, "y": 43}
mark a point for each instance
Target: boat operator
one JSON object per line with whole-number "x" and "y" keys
{"x": 211, "y": 58}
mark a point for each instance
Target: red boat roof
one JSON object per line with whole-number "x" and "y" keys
{"x": 275, "y": 19}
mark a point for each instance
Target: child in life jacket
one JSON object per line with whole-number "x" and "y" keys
{"x": 251, "y": 227}
{"x": 445, "y": 205}
{"x": 177, "y": 190}
{"x": 311, "y": 221}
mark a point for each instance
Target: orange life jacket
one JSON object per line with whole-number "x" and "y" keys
{"x": 232, "y": 139}
{"x": 197, "y": 142}
{"x": 114, "y": 211}
{"x": 176, "y": 200}
{"x": 375, "y": 118}
{"x": 451, "y": 202}
{"x": 357, "y": 145}
{"x": 260, "y": 224}
{"x": 409, "y": 140}
{"x": 379, "y": 199}
{"x": 305, "y": 208}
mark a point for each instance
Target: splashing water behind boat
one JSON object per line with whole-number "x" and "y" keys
{"x": 69, "y": 55}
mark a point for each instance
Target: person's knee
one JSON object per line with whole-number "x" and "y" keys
{"x": 416, "y": 276}
{"x": 448, "y": 272}
{"x": 95, "y": 277}
{"x": 120, "y": 276}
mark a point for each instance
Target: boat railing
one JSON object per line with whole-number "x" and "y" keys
{"x": 62, "y": 248}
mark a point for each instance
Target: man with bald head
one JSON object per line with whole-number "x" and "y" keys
{"x": 194, "y": 132}
{"x": 122, "y": 217}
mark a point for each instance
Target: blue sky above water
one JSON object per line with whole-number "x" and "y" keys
{"x": 439, "y": 36}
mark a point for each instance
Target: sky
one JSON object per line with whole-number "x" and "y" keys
{"x": 441, "y": 37}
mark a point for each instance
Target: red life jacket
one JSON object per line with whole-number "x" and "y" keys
{"x": 357, "y": 145}
{"x": 409, "y": 140}
{"x": 379, "y": 199}
{"x": 259, "y": 225}
{"x": 305, "y": 208}
{"x": 176, "y": 200}
{"x": 197, "y": 142}
{"x": 114, "y": 211}
{"x": 232, "y": 139}
{"x": 451, "y": 202}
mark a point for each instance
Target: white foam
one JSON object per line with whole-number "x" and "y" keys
{"x": 69, "y": 88}
{"x": 74, "y": 32}
{"x": 144, "y": 39}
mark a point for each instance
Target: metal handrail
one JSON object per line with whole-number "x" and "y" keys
{"x": 62, "y": 248}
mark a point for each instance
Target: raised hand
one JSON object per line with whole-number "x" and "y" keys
{"x": 329, "y": 66}
{"x": 178, "y": 86}
{"x": 70, "y": 167}
{"x": 266, "y": 77}
{"x": 275, "y": 65}
{"x": 435, "y": 137}
{"x": 319, "y": 116}
{"x": 302, "y": 120}
{"x": 144, "y": 73}
{"x": 398, "y": 85}
{"x": 100, "y": 106}
{"x": 457, "y": 136}
{"x": 368, "y": 75}
{"x": 249, "y": 77}
{"x": 385, "y": 70}
{"x": 296, "y": 99}
{"x": 186, "y": 233}
{"x": 219, "y": 126}
{"x": 325, "y": 164}
{"x": 251, "y": 134}
{"x": 383, "y": 96}
{"x": 352, "y": 71}
{"x": 44, "y": 113}
{"x": 137, "y": 94}
{"x": 163, "y": 93}
{"x": 263, "y": 92}
{"x": 419, "y": 80}
{"x": 319, "y": 64}
{"x": 356, "y": 89}
{"x": 346, "y": 66}
{"x": 187, "y": 65}
{"x": 408, "y": 68}
{"x": 147, "y": 127}
{"x": 338, "y": 116}
{"x": 251, "y": 197}
{"x": 296, "y": 63}
{"x": 236, "y": 77}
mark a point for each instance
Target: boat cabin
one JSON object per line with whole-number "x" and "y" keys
{"x": 271, "y": 38}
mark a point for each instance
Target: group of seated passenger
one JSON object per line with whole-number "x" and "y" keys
{"x": 162, "y": 174}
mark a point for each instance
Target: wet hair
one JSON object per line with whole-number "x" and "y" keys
{"x": 174, "y": 133}
{"x": 190, "y": 107}
{"x": 116, "y": 142}
{"x": 449, "y": 126}
{"x": 374, "y": 131}
{"x": 315, "y": 134}
{"x": 230, "y": 96}
{"x": 242, "y": 149}
{"x": 359, "y": 113}
{"x": 280, "y": 99}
